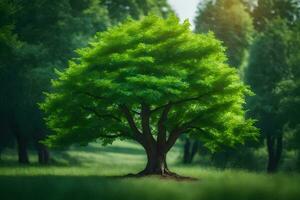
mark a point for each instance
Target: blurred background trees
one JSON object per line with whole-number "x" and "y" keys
{"x": 230, "y": 22}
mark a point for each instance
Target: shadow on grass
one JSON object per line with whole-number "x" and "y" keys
{"x": 114, "y": 149}
{"x": 68, "y": 160}
{"x": 78, "y": 187}
{"x": 63, "y": 158}
{"x": 112, "y": 188}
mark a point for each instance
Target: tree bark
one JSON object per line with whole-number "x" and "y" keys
{"x": 190, "y": 150}
{"x": 194, "y": 150}
{"x": 156, "y": 150}
{"x": 22, "y": 150}
{"x": 186, "y": 151}
{"x": 156, "y": 163}
{"x": 274, "y": 147}
{"x": 42, "y": 150}
{"x": 43, "y": 154}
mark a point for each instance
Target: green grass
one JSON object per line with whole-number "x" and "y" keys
{"x": 90, "y": 173}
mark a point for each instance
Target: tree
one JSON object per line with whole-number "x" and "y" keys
{"x": 49, "y": 32}
{"x": 10, "y": 46}
{"x": 268, "y": 66}
{"x": 150, "y": 81}
{"x": 268, "y": 10}
{"x": 289, "y": 91}
{"x": 231, "y": 23}
{"x": 120, "y": 10}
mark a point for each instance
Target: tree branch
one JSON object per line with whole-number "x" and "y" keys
{"x": 92, "y": 95}
{"x": 161, "y": 135}
{"x": 176, "y": 103}
{"x": 101, "y": 115}
{"x": 113, "y": 136}
{"x": 183, "y": 101}
{"x": 174, "y": 135}
{"x": 145, "y": 116}
{"x": 136, "y": 132}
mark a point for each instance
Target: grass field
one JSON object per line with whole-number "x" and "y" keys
{"x": 91, "y": 173}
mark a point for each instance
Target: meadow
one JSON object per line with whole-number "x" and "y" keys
{"x": 95, "y": 172}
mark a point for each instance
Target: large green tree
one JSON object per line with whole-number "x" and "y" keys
{"x": 231, "y": 23}
{"x": 150, "y": 81}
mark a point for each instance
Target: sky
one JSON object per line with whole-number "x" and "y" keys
{"x": 186, "y": 9}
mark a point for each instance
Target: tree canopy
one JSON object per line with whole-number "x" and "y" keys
{"x": 150, "y": 81}
{"x": 120, "y": 10}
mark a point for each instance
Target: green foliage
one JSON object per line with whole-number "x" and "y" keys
{"x": 155, "y": 62}
{"x": 268, "y": 10}
{"x": 49, "y": 32}
{"x": 10, "y": 47}
{"x": 288, "y": 91}
{"x": 231, "y": 23}
{"x": 8, "y": 40}
{"x": 289, "y": 88}
{"x": 119, "y": 10}
{"x": 268, "y": 65}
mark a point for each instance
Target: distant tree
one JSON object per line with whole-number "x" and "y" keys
{"x": 10, "y": 46}
{"x": 120, "y": 10}
{"x": 289, "y": 91}
{"x": 231, "y": 23}
{"x": 49, "y": 31}
{"x": 268, "y": 66}
{"x": 150, "y": 81}
{"x": 268, "y": 10}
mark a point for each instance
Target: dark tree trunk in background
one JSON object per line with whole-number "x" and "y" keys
{"x": 190, "y": 150}
{"x": 274, "y": 147}
{"x": 42, "y": 150}
{"x": 195, "y": 149}
{"x": 186, "y": 151}
{"x": 22, "y": 149}
{"x": 43, "y": 154}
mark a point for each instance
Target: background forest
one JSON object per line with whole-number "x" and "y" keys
{"x": 262, "y": 40}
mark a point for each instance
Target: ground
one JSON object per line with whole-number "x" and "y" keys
{"x": 93, "y": 173}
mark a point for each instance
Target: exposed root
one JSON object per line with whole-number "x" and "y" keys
{"x": 167, "y": 174}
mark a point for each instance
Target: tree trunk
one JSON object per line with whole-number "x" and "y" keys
{"x": 22, "y": 150}
{"x": 194, "y": 150}
{"x": 190, "y": 150}
{"x": 186, "y": 151}
{"x": 43, "y": 154}
{"x": 156, "y": 163}
{"x": 274, "y": 146}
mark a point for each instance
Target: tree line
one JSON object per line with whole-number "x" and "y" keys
{"x": 261, "y": 40}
